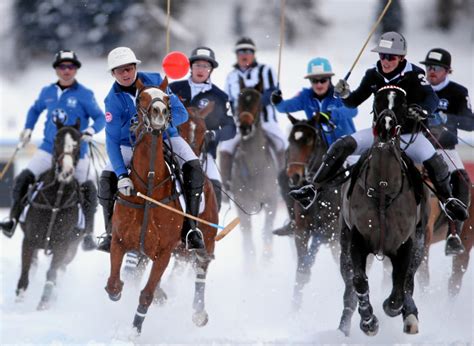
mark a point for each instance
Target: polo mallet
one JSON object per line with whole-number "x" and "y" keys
{"x": 282, "y": 33}
{"x": 168, "y": 15}
{"x": 368, "y": 38}
{"x": 222, "y": 234}
{"x": 7, "y": 166}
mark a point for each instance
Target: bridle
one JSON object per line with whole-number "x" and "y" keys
{"x": 146, "y": 125}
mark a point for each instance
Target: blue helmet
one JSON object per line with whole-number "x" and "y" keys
{"x": 319, "y": 67}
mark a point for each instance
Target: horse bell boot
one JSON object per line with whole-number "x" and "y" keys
{"x": 20, "y": 189}
{"x": 107, "y": 191}
{"x": 334, "y": 159}
{"x": 439, "y": 174}
{"x": 193, "y": 181}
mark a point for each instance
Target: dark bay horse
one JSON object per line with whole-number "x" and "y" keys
{"x": 318, "y": 224}
{"x": 436, "y": 230}
{"x": 52, "y": 216}
{"x": 380, "y": 215}
{"x": 254, "y": 171}
{"x": 136, "y": 225}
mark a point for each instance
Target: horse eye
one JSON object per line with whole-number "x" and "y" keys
{"x": 165, "y": 112}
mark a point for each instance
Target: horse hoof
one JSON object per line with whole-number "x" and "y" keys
{"x": 345, "y": 328}
{"x": 410, "y": 324}
{"x": 371, "y": 326}
{"x": 390, "y": 311}
{"x": 201, "y": 318}
{"x": 115, "y": 297}
{"x": 43, "y": 305}
{"x": 20, "y": 295}
{"x": 160, "y": 297}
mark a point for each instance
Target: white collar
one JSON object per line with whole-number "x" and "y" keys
{"x": 441, "y": 85}
{"x": 197, "y": 88}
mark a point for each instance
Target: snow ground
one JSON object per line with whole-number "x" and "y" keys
{"x": 247, "y": 304}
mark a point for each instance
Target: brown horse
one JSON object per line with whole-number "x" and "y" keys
{"x": 436, "y": 231}
{"x": 136, "y": 225}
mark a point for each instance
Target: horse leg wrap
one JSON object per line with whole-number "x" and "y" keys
{"x": 140, "y": 317}
{"x": 199, "y": 288}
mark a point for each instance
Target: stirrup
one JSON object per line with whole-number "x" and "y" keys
{"x": 286, "y": 229}
{"x": 459, "y": 208}
{"x": 196, "y": 243}
{"x": 453, "y": 245}
{"x": 105, "y": 243}
{"x": 305, "y": 196}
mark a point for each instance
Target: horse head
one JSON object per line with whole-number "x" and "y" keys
{"x": 153, "y": 107}
{"x": 66, "y": 150}
{"x": 306, "y": 148}
{"x": 249, "y": 107}
{"x": 194, "y": 130}
{"x": 390, "y": 107}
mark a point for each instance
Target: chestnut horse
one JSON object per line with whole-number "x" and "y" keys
{"x": 436, "y": 231}
{"x": 138, "y": 225}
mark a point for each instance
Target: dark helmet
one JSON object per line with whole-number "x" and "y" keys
{"x": 203, "y": 53}
{"x": 66, "y": 55}
{"x": 438, "y": 56}
{"x": 245, "y": 43}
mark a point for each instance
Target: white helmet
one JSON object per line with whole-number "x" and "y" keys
{"x": 121, "y": 56}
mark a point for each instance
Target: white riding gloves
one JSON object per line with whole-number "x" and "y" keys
{"x": 87, "y": 134}
{"x": 342, "y": 89}
{"x": 125, "y": 186}
{"x": 25, "y": 136}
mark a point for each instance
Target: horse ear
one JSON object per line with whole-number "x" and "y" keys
{"x": 164, "y": 84}
{"x": 77, "y": 125}
{"x": 259, "y": 87}
{"x": 139, "y": 85}
{"x": 241, "y": 83}
{"x": 208, "y": 109}
{"x": 292, "y": 119}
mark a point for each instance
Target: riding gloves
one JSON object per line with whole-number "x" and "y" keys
{"x": 87, "y": 134}
{"x": 342, "y": 89}
{"x": 125, "y": 186}
{"x": 25, "y": 136}
{"x": 209, "y": 137}
{"x": 276, "y": 97}
{"x": 416, "y": 112}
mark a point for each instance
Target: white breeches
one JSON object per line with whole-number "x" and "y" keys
{"x": 42, "y": 160}
{"x": 419, "y": 151}
{"x": 210, "y": 168}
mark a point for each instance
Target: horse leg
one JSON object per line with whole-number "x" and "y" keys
{"x": 26, "y": 259}
{"x": 424, "y": 270}
{"x": 461, "y": 261}
{"x": 302, "y": 269}
{"x": 270, "y": 211}
{"x": 350, "y": 298}
{"x": 369, "y": 323}
{"x": 146, "y": 295}
{"x": 114, "y": 284}
{"x": 246, "y": 229}
{"x": 59, "y": 256}
{"x": 200, "y": 316}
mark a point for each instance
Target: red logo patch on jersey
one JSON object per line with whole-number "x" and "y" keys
{"x": 108, "y": 117}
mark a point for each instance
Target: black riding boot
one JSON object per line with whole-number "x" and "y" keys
{"x": 20, "y": 189}
{"x": 218, "y": 191}
{"x": 332, "y": 162}
{"x": 461, "y": 185}
{"x": 89, "y": 207}
{"x": 289, "y": 227}
{"x": 193, "y": 180}
{"x": 107, "y": 191}
{"x": 439, "y": 174}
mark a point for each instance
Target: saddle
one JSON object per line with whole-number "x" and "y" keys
{"x": 415, "y": 180}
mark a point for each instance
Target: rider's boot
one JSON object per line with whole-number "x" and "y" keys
{"x": 225, "y": 165}
{"x": 20, "y": 189}
{"x": 438, "y": 172}
{"x": 193, "y": 181}
{"x": 332, "y": 162}
{"x": 89, "y": 207}
{"x": 461, "y": 185}
{"x": 216, "y": 184}
{"x": 289, "y": 227}
{"x": 107, "y": 191}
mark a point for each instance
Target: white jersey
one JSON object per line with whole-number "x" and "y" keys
{"x": 251, "y": 77}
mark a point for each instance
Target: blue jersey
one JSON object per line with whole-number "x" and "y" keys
{"x": 73, "y": 102}
{"x": 220, "y": 120}
{"x": 307, "y": 101}
{"x": 120, "y": 108}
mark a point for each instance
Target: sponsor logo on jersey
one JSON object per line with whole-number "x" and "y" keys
{"x": 108, "y": 117}
{"x": 203, "y": 103}
{"x": 71, "y": 102}
{"x": 443, "y": 104}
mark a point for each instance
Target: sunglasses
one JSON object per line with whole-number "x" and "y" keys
{"x": 121, "y": 70}
{"x": 245, "y": 51}
{"x": 435, "y": 68}
{"x": 318, "y": 80}
{"x": 64, "y": 67}
{"x": 201, "y": 66}
{"x": 388, "y": 57}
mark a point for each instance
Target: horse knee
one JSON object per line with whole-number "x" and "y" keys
{"x": 146, "y": 298}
